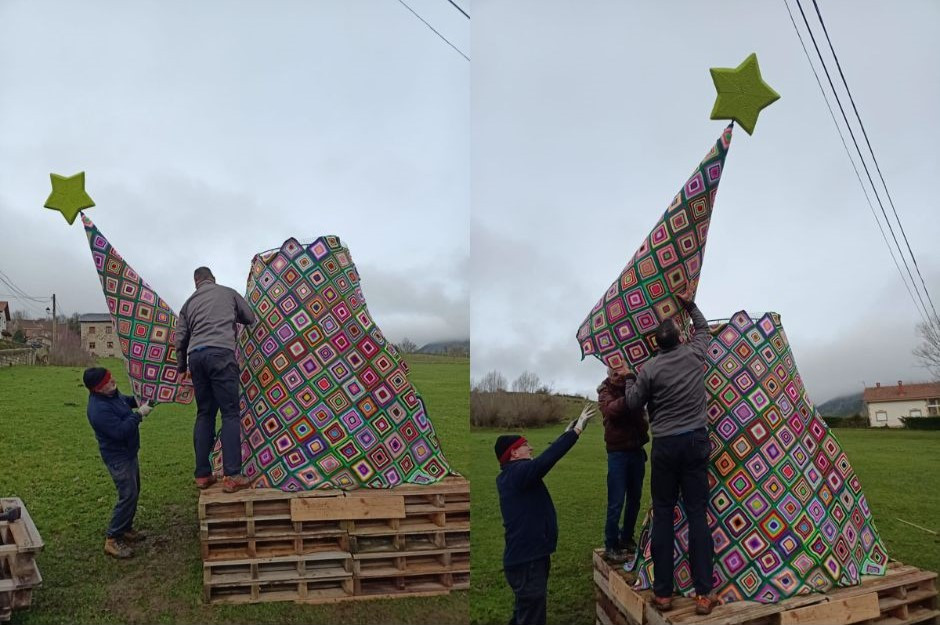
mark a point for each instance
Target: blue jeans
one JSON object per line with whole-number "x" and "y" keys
{"x": 625, "y": 472}
{"x": 529, "y": 583}
{"x": 215, "y": 382}
{"x": 126, "y": 476}
{"x": 680, "y": 465}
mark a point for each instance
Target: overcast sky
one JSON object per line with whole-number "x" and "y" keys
{"x": 213, "y": 130}
{"x": 587, "y": 117}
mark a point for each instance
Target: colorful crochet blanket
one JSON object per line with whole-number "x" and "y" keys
{"x": 143, "y": 321}
{"x": 786, "y": 509}
{"x": 326, "y": 401}
{"x": 787, "y": 512}
{"x": 619, "y": 329}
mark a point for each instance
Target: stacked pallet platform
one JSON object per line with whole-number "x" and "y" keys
{"x": 20, "y": 543}
{"x": 903, "y": 595}
{"x": 323, "y": 546}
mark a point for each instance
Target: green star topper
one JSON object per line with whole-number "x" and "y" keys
{"x": 742, "y": 93}
{"x": 68, "y": 195}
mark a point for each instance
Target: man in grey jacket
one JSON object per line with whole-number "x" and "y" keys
{"x": 205, "y": 344}
{"x": 672, "y": 387}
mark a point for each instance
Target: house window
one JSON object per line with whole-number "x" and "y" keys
{"x": 933, "y": 406}
{"x": 110, "y": 344}
{"x": 916, "y": 412}
{"x": 881, "y": 415}
{"x": 107, "y": 329}
{"x": 91, "y": 330}
{"x": 91, "y": 345}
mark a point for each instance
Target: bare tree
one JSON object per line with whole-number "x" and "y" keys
{"x": 491, "y": 383}
{"x": 928, "y": 352}
{"x": 407, "y": 346}
{"x": 527, "y": 382}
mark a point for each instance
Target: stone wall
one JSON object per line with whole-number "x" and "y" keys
{"x": 11, "y": 357}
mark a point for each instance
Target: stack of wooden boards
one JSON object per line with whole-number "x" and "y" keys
{"x": 19, "y": 544}
{"x": 903, "y": 595}
{"x": 322, "y": 546}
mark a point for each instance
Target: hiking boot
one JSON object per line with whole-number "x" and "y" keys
{"x": 704, "y": 604}
{"x": 117, "y": 548}
{"x": 202, "y": 483}
{"x": 232, "y": 483}
{"x": 663, "y": 604}
{"x": 616, "y": 556}
{"x": 133, "y": 536}
{"x": 629, "y": 546}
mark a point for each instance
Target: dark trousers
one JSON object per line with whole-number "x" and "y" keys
{"x": 215, "y": 382}
{"x": 529, "y": 583}
{"x": 680, "y": 464}
{"x": 625, "y": 471}
{"x": 126, "y": 476}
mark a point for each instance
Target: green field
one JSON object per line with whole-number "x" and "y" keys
{"x": 49, "y": 458}
{"x": 899, "y": 471}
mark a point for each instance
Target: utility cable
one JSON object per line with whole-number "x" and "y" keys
{"x": 858, "y": 150}
{"x": 852, "y": 161}
{"x": 875, "y": 160}
{"x": 402, "y": 2}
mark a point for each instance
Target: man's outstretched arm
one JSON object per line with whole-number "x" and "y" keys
{"x": 539, "y": 466}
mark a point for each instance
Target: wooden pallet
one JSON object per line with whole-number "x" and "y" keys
{"x": 20, "y": 543}
{"x": 399, "y": 540}
{"x": 324, "y": 546}
{"x": 904, "y": 595}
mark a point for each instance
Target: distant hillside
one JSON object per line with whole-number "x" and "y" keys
{"x": 844, "y": 406}
{"x": 446, "y": 348}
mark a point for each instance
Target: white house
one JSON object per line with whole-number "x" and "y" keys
{"x": 4, "y": 317}
{"x": 887, "y": 404}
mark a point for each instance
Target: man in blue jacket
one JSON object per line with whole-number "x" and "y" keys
{"x": 115, "y": 426}
{"x": 672, "y": 387}
{"x": 529, "y": 517}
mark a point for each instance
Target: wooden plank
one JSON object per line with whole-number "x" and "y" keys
{"x": 347, "y": 508}
{"x": 838, "y": 612}
{"x": 626, "y": 598}
{"x": 386, "y": 507}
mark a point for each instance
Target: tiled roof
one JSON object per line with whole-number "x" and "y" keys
{"x": 94, "y": 318}
{"x": 901, "y": 392}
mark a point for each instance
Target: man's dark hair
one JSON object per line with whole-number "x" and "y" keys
{"x": 203, "y": 273}
{"x": 667, "y": 334}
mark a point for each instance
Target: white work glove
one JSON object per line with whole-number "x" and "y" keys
{"x": 588, "y": 413}
{"x": 143, "y": 408}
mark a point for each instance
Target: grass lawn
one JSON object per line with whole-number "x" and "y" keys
{"x": 899, "y": 471}
{"x": 49, "y": 458}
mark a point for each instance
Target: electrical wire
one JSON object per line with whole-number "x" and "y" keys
{"x": 922, "y": 310}
{"x": 457, "y": 6}
{"x": 854, "y": 166}
{"x": 402, "y": 2}
{"x": 875, "y": 160}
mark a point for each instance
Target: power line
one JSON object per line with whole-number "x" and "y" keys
{"x": 861, "y": 157}
{"x": 858, "y": 176}
{"x": 435, "y": 31}
{"x": 457, "y": 6}
{"x": 875, "y": 160}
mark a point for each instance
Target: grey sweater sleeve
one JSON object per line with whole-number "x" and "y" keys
{"x": 702, "y": 336}
{"x": 243, "y": 312}
{"x": 183, "y": 334}
{"x": 637, "y": 391}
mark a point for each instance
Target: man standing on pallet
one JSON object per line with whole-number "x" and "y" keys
{"x": 625, "y": 433}
{"x": 529, "y": 517}
{"x": 672, "y": 387}
{"x": 205, "y": 344}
